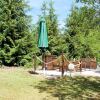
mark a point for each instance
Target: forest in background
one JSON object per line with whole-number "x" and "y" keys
{"x": 18, "y": 37}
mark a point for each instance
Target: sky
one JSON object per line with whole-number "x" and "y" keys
{"x": 62, "y": 8}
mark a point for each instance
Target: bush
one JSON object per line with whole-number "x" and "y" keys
{"x": 29, "y": 65}
{"x": 23, "y": 62}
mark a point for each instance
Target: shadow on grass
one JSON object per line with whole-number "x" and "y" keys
{"x": 33, "y": 72}
{"x": 97, "y": 71}
{"x": 76, "y": 88}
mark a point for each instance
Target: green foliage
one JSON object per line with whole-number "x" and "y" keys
{"x": 82, "y": 31}
{"x": 16, "y": 41}
{"x": 57, "y": 43}
{"x": 89, "y": 2}
{"x": 93, "y": 41}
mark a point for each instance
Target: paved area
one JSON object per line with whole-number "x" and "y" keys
{"x": 85, "y": 72}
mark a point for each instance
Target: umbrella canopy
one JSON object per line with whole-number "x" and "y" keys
{"x": 42, "y": 35}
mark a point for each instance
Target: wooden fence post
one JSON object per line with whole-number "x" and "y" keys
{"x": 35, "y": 62}
{"x": 62, "y": 65}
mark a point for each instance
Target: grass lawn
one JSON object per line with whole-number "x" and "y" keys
{"x": 18, "y": 84}
{"x": 76, "y": 88}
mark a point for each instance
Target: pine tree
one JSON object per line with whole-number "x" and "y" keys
{"x": 71, "y": 32}
{"x": 48, "y": 12}
{"x": 16, "y": 43}
{"x": 44, "y": 8}
{"x": 56, "y": 42}
{"x": 91, "y": 26}
{"x": 82, "y": 29}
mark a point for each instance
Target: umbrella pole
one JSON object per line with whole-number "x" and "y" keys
{"x": 43, "y": 64}
{"x": 62, "y": 70}
{"x": 35, "y": 61}
{"x": 43, "y": 59}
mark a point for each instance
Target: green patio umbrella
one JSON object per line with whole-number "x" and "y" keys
{"x": 42, "y": 38}
{"x": 42, "y": 35}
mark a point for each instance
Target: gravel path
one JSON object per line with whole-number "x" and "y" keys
{"x": 87, "y": 72}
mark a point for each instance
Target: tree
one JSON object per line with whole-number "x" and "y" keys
{"x": 88, "y": 1}
{"x": 91, "y": 23}
{"x": 44, "y": 8}
{"x": 16, "y": 42}
{"x": 72, "y": 32}
{"x": 82, "y": 28}
{"x": 56, "y": 41}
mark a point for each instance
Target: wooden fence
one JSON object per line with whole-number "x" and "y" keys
{"x": 58, "y": 64}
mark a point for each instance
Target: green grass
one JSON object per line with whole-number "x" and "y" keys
{"x": 77, "y": 88}
{"x": 18, "y": 84}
